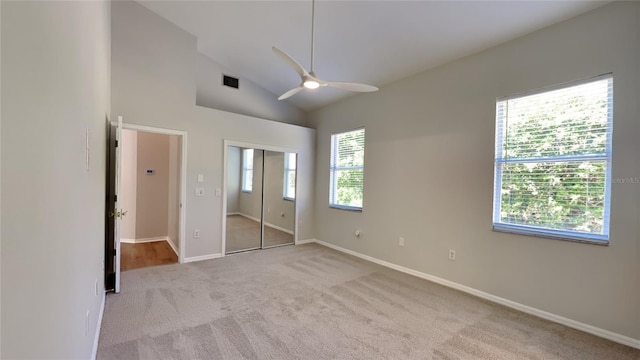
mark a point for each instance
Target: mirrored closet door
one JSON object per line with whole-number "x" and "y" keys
{"x": 279, "y": 198}
{"x": 261, "y": 191}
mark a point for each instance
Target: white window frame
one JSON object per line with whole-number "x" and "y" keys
{"x": 288, "y": 168}
{"x": 246, "y": 168}
{"x": 599, "y": 239}
{"x": 333, "y": 169}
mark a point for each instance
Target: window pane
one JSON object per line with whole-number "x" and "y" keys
{"x": 349, "y": 187}
{"x": 569, "y": 121}
{"x": 555, "y": 195}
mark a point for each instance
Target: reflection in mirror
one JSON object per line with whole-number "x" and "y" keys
{"x": 279, "y": 198}
{"x": 244, "y": 199}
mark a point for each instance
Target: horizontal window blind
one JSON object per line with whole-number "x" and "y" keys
{"x": 552, "y": 160}
{"x": 347, "y": 169}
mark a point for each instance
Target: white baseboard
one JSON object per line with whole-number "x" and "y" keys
{"x": 306, "y": 241}
{"x": 94, "y": 352}
{"x": 172, "y": 245}
{"x": 202, "y": 257}
{"x": 143, "y": 240}
{"x": 609, "y": 335}
{"x": 233, "y": 213}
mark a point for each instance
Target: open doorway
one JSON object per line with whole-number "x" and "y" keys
{"x": 150, "y": 197}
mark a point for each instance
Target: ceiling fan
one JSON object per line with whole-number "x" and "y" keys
{"x": 309, "y": 80}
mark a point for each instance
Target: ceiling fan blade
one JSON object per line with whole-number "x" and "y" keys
{"x": 291, "y": 92}
{"x": 291, "y": 61}
{"x": 355, "y": 87}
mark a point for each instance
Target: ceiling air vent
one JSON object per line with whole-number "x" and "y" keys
{"x": 230, "y": 81}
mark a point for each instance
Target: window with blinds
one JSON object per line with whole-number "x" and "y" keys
{"x": 247, "y": 170}
{"x": 553, "y": 161}
{"x": 289, "y": 183}
{"x": 347, "y": 170}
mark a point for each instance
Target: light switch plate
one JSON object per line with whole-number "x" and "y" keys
{"x": 199, "y": 192}
{"x": 200, "y": 178}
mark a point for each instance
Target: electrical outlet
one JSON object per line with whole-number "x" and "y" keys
{"x": 452, "y": 254}
{"x": 401, "y": 241}
{"x": 196, "y": 234}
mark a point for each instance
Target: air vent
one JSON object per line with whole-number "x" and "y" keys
{"x": 230, "y": 81}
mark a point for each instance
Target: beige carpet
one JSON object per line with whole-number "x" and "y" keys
{"x": 243, "y": 233}
{"x": 311, "y": 302}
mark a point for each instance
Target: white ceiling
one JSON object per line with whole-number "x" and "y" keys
{"x": 373, "y": 42}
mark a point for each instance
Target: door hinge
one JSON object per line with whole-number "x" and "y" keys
{"x": 115, "y": 252}
{"x": 116, "y": 143}
{"x": 115, "y": 197}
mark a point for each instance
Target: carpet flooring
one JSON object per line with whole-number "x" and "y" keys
{"x": 244, "y": 233}
{"x": 312, "y": 302}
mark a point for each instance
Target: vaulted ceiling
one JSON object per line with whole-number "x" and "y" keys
{"x": 374, "y": 42}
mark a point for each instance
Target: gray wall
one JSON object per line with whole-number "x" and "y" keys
{"x": 129, "y": 182}
{"x": 251, "y": 202}
{"x": 173, "y": 225}
{"x": 152, "y": 191}
{"x": 429, "y": 173}
{"x": 274, "y": 203}
{"x": 55, "y": 85}
{"x": 162, "y": 94}
{"x": 263, "y": 104}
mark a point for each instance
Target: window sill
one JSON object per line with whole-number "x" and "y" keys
{"x": 347, "y": 208}
{"x": 288, "y": 199}
{"x": 555, "y": 235}
{"x": 247, "y": 192}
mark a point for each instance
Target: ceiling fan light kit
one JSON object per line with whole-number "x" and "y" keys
{"x": 308, "y": 79}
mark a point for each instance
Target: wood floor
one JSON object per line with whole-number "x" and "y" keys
{"x": 155, "y": 253}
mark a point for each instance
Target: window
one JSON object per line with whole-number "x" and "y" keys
{"x": 553, "y": 162}
{"x": 247, "y": 170}
{"x": 347, "y": 170}
{"x": 289, "y": 191}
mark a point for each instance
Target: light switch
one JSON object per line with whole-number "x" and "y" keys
{"x": 200, "y": 178}
{"x": 218, "y": 192}
{"x": 199, "y": 191}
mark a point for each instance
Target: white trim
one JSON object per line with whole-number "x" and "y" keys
{"x": 173, "y": 246}
{"x": 144, "y": 240}
{"x": 233, "y": 213}
{"x": 182, "y": 203}
{"x": 307, "y": 241}
{"x": 202, "y": 257}
{"x": 606, "y": 334}
{"x": 94, "y": 352}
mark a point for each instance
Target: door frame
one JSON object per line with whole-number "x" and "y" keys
{"x": 249, "y": 145}
{"x": 182, "y": 198}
